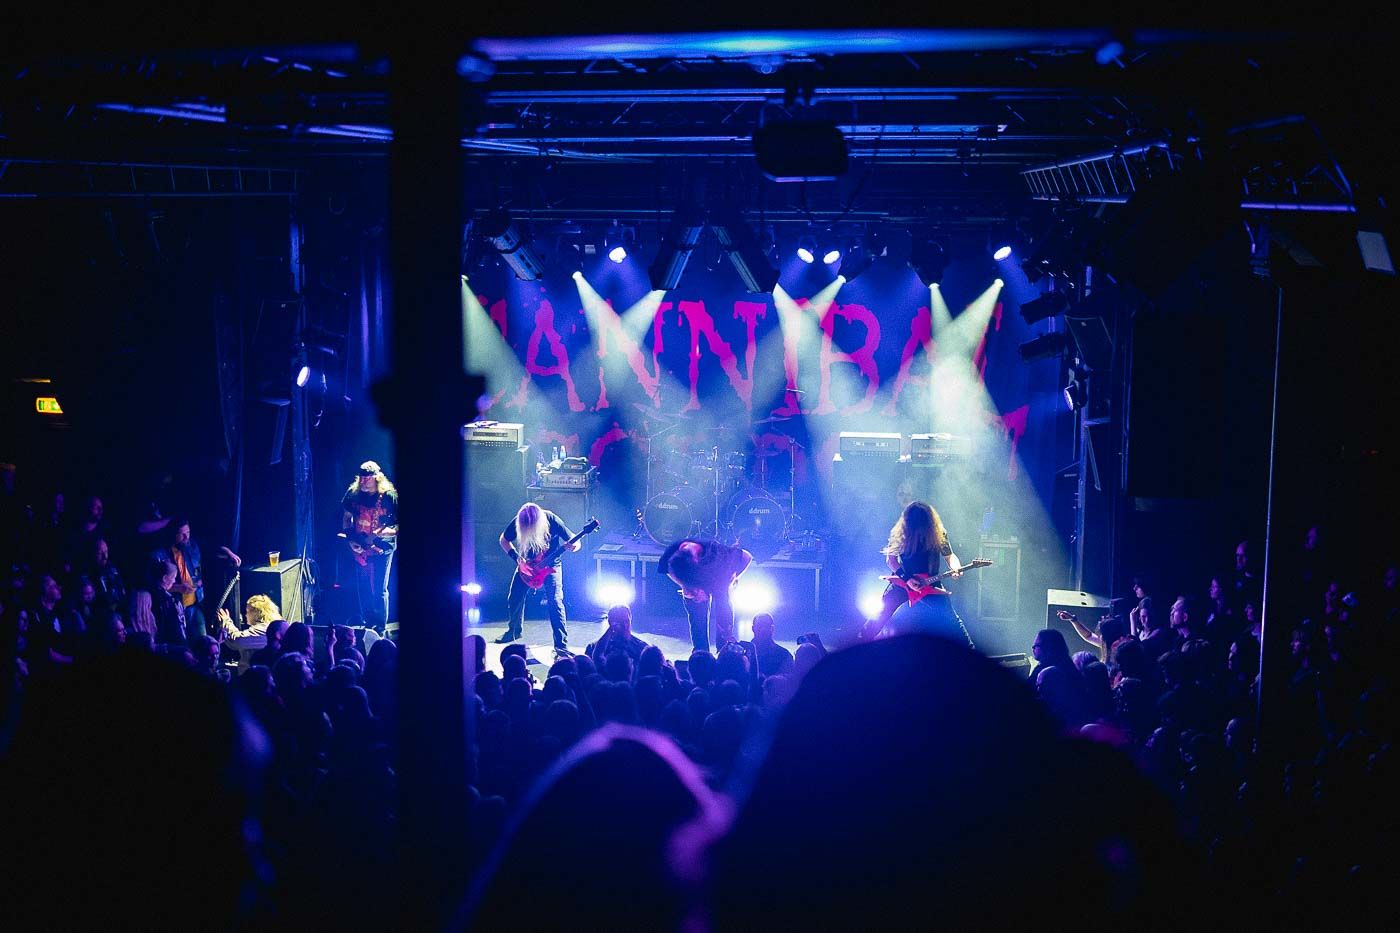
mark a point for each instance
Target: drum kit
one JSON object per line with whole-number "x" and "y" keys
{"x": 696, "y": 487}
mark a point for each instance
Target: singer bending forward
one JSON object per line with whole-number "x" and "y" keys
{"x": 706, "y": 572}
{"x": 917, "y": 543}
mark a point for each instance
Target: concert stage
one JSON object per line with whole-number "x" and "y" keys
{"x": 667, "y": 633}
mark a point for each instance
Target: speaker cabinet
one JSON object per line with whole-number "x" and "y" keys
{"x": 496, "y": 478}
{"x": 281, "y": 584}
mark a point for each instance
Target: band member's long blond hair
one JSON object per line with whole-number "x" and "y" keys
{"x": 382, "y": 484}
{"x": 531, "y": 530}
{"x": 919, "y": 529}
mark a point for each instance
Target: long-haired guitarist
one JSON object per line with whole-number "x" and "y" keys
{"x": 532, "y": 534}
{"x": 917, "y": 543}
{"x": 370, "y": 524}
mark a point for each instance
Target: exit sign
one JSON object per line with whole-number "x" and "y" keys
{"x": 47, "y": 405}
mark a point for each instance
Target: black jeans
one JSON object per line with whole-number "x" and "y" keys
{"x": 553, "y": 594}
{"x": 933, "y": 615}
{"x": 372, "y": 589}
{"x": 715, "y": 608}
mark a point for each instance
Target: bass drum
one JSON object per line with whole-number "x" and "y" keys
{"x": 759, "y": 522}
{"x": 673, "y": 515}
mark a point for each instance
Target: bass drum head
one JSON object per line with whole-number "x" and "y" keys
{"x": 668, "y": 517}
{"x": 758, "y": 521}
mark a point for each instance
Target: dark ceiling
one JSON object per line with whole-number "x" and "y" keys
{"x": 940, "y": 126}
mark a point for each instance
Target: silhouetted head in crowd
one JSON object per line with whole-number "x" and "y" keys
{"x": 297, "y": 638}
{"x": 488, "y": 687}
{"x": 275, "y": 630}
{"x": 206, "y": 654}
{"x": 620, "y": 621}
{"x": 702, "y": 667}
{"x": 141, "y": 771}
{"x": 650, "y": 662}
{"x": 1061, "y": 689}
{"x": 292, "y": 674}
{"x": 1183, "y": 617}
{"x": 612, "y": 880}
{"x": 513, "y": 666}
{"x": 923, "y": 742}
{"x": 804, "y": 659}
{"x": 477, "y": 653}
{"x": 1243, "y": 658}
{"x": 1147, "y": 615}
{"x": 1049, "y": 650}
{"x": 617, "y": 667}
{"x": 1131, "y": 660}
{"x": 516, "y": 650}
{"x": 732, "y": 664}
{"x": 777, "y": 691}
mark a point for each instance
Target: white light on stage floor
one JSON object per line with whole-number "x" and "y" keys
{"x": 755, "y": 594}
{"x": 613, "y": 591}
{"x": 871, "y": 600}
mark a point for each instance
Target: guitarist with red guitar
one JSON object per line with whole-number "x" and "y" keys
{"x": 536, "y": 540}
{"x": 917, "y": 544}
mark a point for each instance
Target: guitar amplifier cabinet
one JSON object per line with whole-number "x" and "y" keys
{"x": 494, "y": 434}
{"x": 854, "y": 444}
{"x": 281, "y": 584}
{"x": 496, "y": 478}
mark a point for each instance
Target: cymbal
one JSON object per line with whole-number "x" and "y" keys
{"x": 659, "y": 415}
{"x": 775, "y": 419}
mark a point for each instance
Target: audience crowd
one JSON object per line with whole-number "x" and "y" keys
{"x": 165, "y": 764}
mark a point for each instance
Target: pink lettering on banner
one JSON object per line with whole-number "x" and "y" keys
{"x": 920, "y": 337}
{"x": 498, "y": 314}
{"x": 1014, "y": 424}
{"x": 863, "y": 358}
{"x": 979, "y": 357}
{"x": 613, "y": 435}
{"x": 701, "y": 323}
{"x": 610, "y": 331}
{"x": 544, "y": 330}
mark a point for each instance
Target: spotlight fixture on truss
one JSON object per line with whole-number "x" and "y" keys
{"x": 513, "y": 245}
{"x": 745, "y": 253}
{"x": 928, "y": 260}
{"x": 1047, "y": 305}
{"x": 1044, "y": 346}
{"x": 678, "y": 242}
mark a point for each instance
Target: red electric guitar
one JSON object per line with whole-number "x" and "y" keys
{"x": 923, "y": 584}
{"x": 537, "y": 571}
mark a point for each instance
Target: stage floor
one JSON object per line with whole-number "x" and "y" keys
{"x": 671, "y": 635}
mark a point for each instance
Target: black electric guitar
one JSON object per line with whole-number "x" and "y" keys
{"x": 535, "y": 572}
{"x": 920, "y": 585}
{"x": 365, "y": 543}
